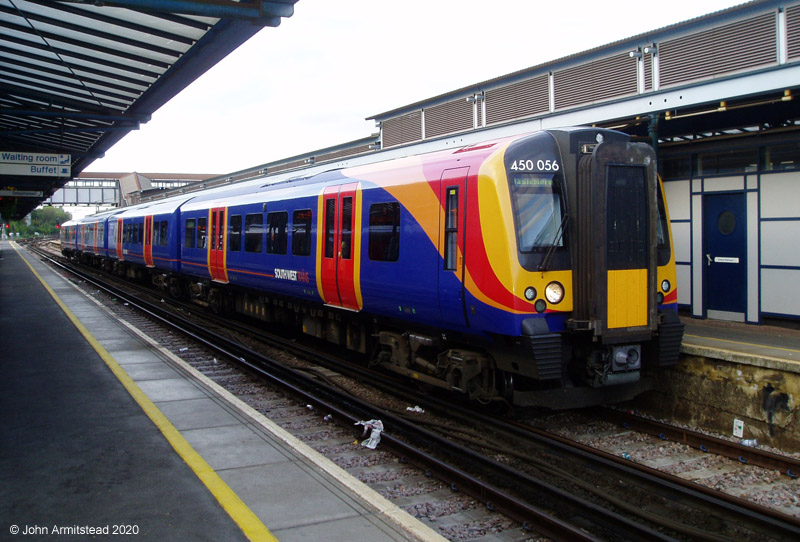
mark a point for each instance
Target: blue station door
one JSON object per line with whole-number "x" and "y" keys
{"x": 725, "y": 256}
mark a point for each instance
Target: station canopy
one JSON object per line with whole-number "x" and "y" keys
{"x": 77, "y": 76}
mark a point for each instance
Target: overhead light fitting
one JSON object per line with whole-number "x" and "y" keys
{"x": 723, "y": 106}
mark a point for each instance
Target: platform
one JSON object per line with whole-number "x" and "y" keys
{"x": 733, "y": 379}
{"x": 765, "y": 346}
{"x": 104, "y": 431}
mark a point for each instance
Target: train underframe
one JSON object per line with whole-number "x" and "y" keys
{"x": 548, "y": 370}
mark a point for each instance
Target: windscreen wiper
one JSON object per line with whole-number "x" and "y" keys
{"x": 552, "y": 248}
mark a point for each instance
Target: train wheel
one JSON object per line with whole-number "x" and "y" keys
{"x": 505, "y": 386}
{"x": 215, "y": 301}
{"x": 176, "y": 288}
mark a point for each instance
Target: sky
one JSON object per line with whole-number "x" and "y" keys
{"x": 311, "y": 82}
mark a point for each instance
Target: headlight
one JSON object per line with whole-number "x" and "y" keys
{"x": 554, "y": 292}
{"x": 665, "y": 286}
{"x": 540, "y": 306}
{"x": 530, "y": 293}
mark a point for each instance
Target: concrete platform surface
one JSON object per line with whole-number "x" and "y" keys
{"x": 766, "y": 346}
{"x": 105, "y": 430}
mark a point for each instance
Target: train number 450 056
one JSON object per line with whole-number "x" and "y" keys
{"x": 535, "y": 165}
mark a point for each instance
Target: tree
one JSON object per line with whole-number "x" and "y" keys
{"x": 44, "y": 221}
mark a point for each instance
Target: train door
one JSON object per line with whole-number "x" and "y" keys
{"x": 148, "y": 241}
{"x": 452, "y": 233}
{"x": 119, "y": 240}
{"x": 340, "y": 250}
{"x": 216, "y": 244}
{"x": 725, "y": 256}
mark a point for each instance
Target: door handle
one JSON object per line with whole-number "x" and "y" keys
{"x": 708, "y": 257}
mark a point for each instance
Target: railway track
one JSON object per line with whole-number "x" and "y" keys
{"x": 483, "y": 464}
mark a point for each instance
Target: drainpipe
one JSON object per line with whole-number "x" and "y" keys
{"x": 652, "y": 131}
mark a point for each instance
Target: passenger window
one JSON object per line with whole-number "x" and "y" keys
{"x": 202, "y": 233}
{"x": 254, "y": 232}
{"x": 330, "y": 226}
{"x": 214, "y": 221}
{"x": 347, "y": 225}
{"x": 235, "y": 233}
{"x": 164, "y": 228}
{"x": 276, "y": 232}
{"x": 301, "y": 233}
{"x": 188, "y": 241}
{"x": 384, "y": 232}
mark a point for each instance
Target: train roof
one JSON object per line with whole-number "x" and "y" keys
{"x": 294, "y": 188}
{"x": 300, "y": 185}
{"x": 91, "y": 219}
{"x": 167, "y": 206}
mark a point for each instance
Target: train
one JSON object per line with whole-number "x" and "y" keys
{"x": 532, "y": 270}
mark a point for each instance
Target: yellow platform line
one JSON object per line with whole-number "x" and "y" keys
{"x": 239, "y": 512}
{"x": 741, "y": 343}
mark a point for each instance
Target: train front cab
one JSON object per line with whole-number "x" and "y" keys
{"x": 623, "y": 323}
{"x": 91, "y": 239}
{"x": 68, "y": 238}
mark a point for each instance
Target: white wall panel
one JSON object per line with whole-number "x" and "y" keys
{"x": 721, "y": 184}
{"x": 779, "y": 243}
{"x": 752, "y": 257}
{"x": 780, "y": 195}
{"x": 682, "y": 239}
{"x": 677, "y": 193}
{"x": 684, "y": 277}
{"x": 780, "y": 290}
